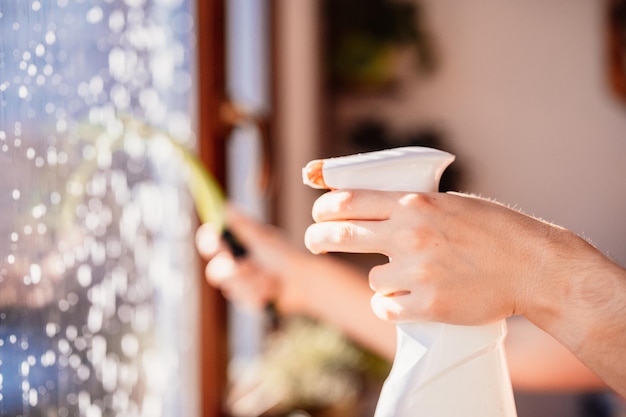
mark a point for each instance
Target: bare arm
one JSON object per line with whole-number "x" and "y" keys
{"x": 539, "y": 363}
{"x": 338, "y": 293}
{"x": 298, "y": 282}
{"x": 466, "y": 260}
{"x": 584, "y": 307}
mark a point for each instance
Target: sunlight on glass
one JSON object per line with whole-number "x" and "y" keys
{"x": 97, "y": 265}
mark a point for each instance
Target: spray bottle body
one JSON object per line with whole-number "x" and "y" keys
{"x": 439, "y": 369}
{"x": 448, "y": 371}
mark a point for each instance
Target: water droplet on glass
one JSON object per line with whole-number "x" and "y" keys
{"x": 35, "y": 273}
{"x": 83, "y": 372}
{"x": 98, "y": 253}
{"x": 52, "y": 329}
{"x": 62, "y": 158}
{"x": 32, "y": 397}
{"x": 80, "y": 343}
{"x": 72, "y": 298}
{"x": 61, "y": 125}
{"x": 71, "y": 332}
{"x": 130, "y": 345}
{"x": 135, "y": 3}
{"x": 83, "y": 275}
{"x": 40, "y": 50}
{"x": 89, "y": 152}
{"x": 75, "y": 361}
{"x": 98, "y": 286}
{"x": 95, "y": 319}
{"x": 64, "y": 305}
{"x": 22, "y": 92}
{"x": 94, "y": 15}
{"x": 55, "y": 198}
{"x": 38, "y": 211}
{"x": 116, "y": 21}
{"x": 32, "y": 70}
{"x": 48, "y": 70}
{"x": 24, "y": 369}
{"x": 48, "y": 358}
{"x": 50, "y": 37}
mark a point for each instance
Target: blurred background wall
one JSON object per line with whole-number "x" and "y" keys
{"x": 521, "y": 95}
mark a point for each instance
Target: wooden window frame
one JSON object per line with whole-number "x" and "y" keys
{"x": 211, "y": 147}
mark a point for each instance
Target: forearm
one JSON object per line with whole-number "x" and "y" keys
{"x": 538, "y": 362}
{"x": 338, "y": 293}
{"x": 584, "y": 308}
{"x": 603, "y": 318}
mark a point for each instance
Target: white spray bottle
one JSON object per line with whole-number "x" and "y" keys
{"x": 440, "y": 370}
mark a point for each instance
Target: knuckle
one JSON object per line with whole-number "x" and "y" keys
{"x": 417, "y": 232}
{"x": 418, "y": 201}
{"x": 344, "y": 233}
{"x": 416, "y": 238}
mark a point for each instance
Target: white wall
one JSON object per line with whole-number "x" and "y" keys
{"x": 523, "y": 97}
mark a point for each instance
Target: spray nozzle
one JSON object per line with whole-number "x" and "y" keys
{"x": 410, "y": 168}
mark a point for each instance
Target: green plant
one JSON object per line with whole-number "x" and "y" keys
{"x": 362, "y": 35}
{"x": 309, "y": 367}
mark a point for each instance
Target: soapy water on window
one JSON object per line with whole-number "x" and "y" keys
{"x": 97, "y": 268}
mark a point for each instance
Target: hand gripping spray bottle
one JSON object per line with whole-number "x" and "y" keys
{"x": 440, "y": 370}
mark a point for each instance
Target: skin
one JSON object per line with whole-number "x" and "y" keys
{"x": 337, "y": 292}
{"x": 465, "y": 260}
{"x": 296, "y": 281}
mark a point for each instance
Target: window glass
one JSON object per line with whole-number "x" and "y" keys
{"x": 98, "y": 275}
